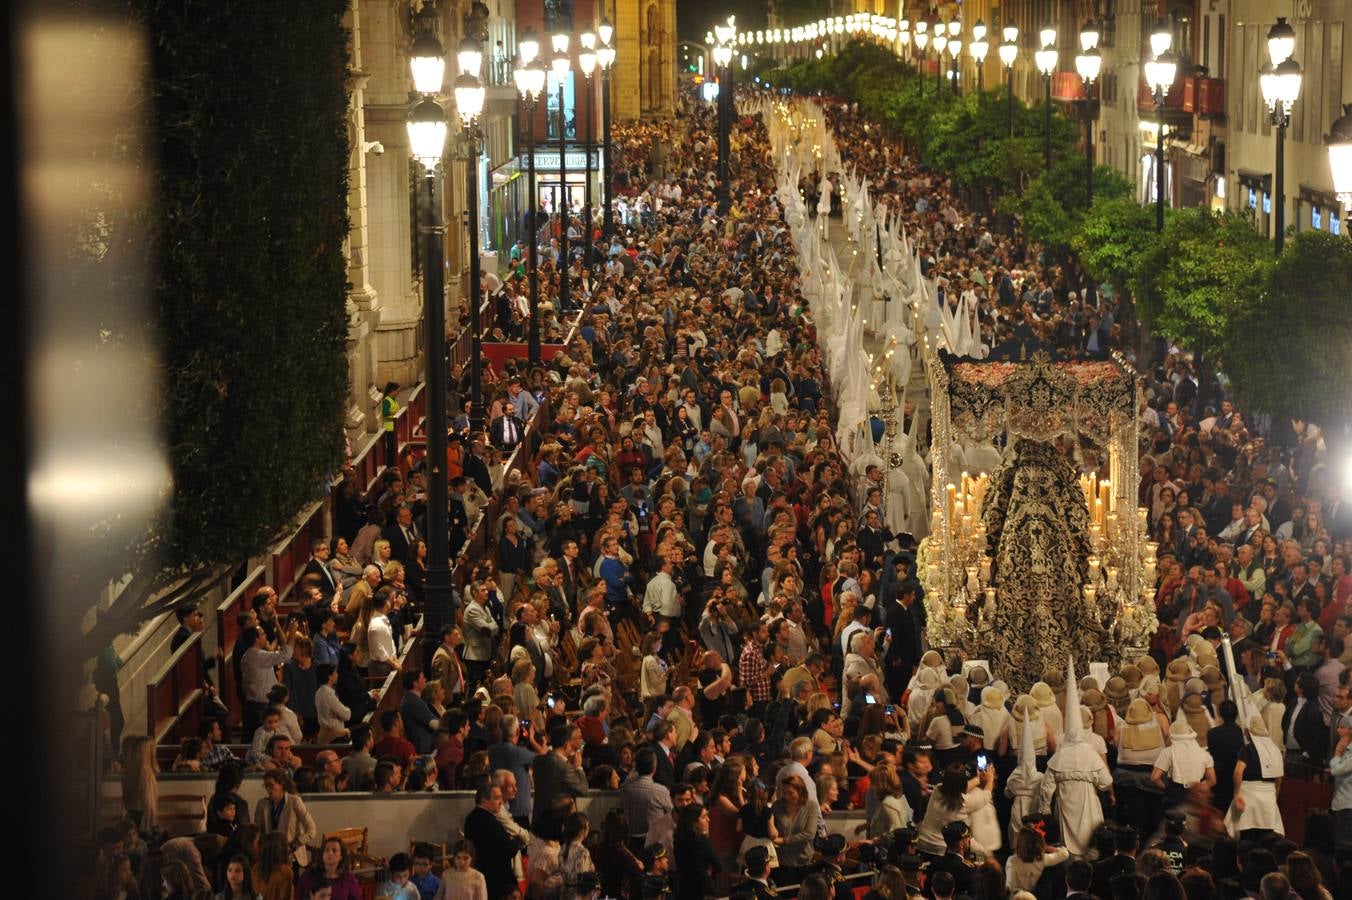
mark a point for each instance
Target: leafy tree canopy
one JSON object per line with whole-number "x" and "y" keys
{"x": 1291, "y": 347}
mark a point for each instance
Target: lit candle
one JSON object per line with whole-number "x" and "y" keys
{"x": 1150, "y": 548}
{"x": 1098, "y": 510}
{"x": 1141, "y": 513}
{"x": 1090, "y": 593}
{"x": 952, "y": 497}
{"x": 1105, "y": 494}
{"x": 1112, "y": 578}
{"x": 1093, "y": 567}
{"x": 985, "y": 569}
{"x": 990, "y": 601}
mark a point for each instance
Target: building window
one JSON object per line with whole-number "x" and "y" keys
{"x": 1253, "y": 199}
{"x": 1267, "y": 203}
{"x": 1335, "y": 223}
{"x": 569, "y": 105}
{"x": 1316, "y": 218}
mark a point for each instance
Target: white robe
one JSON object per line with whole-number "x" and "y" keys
{"x": 1075, "y": 774}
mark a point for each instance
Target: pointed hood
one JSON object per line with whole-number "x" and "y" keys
{"x": 1027, "y": 753}
{"x": 1074, "y": 728}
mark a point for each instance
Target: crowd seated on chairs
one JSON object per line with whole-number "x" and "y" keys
{"x": 675, "y": 603}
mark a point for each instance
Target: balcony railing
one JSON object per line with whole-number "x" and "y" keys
{"x": 1204, "y": 96}
{"x": 1145, "y": 98}
{"x": 1070, "y": 86}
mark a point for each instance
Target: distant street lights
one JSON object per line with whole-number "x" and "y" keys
{"x": 562, "y": 64}
{"x": 1088, "y": 63}
{"x": 586, "y": 62}
{"x": 921, "y": 42}
{"x": 1280, "y": 83}
{"x": 1046, "y": 64}
{"x": 1159, "y": 77}
{"x": 530, "y": 77}
{"x": 723, "y": 60}
{"x": 978, "y": 50}
{"x": 605, "y": 55}
{"x": 1009, "y": 52}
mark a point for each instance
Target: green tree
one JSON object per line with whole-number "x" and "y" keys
{"x": 1114, "y": 238}
{"x": 1205, "y": 267}
{"x": 248, "y": 156}
{"x": 1291, "y": 345}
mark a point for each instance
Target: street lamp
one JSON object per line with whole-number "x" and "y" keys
{"x": 1159, "y": 77}
{"x": 1089, "y": 63}
{"x": 586, "y": 62}
{"x": 940, "y": 42}
{"x": 530, "y": 77}
{"x": 955, "y": 53}
{"x": 978, "y": 49}
{"x": 1046, "y": 64}
{"x": 605, "y": 55}
{"x": 921, "y": 41}
{"x": 723, "y": 59}
{"x": 904, "y": 33}
{"x": 427, "y": 141}
{"x": 1009, "y": 52}
{"x": 1280, "y": 83}
{"x": 1339, "y": 143}
{"x": 561, "y": 64}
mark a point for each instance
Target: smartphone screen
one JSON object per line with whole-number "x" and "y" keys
{"x": 982, "y": 762}
{"x": 870, "y": 699}
{"x": 890, "y": 710}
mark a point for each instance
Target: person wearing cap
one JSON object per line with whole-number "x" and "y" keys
{"x": 831, "y": 850}
{"x": 757, "y": 881}
{"x": 955, "y": 860}
{"x": 1257, "y": 778}
{"x": 1182, "y": 765}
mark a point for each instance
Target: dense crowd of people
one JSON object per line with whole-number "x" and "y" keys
{"x": 687, "y": 599}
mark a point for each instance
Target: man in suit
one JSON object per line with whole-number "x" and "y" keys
{"x": 475, "y": 466}
{"x": 873, "y": 538}
{"x": 494, "y": 847}
{"x": 481, "y": 631}
{"x": 319, "y": 567}
{"x": 570, "y": 573}
{"x": 1303, "y": 728}
{"x": 903, "y": 637}
{"x": 559, "y": 771}
{"x": 506, "y": 431}
{"x": 664, "y": 748}
{"x": 420, "y": 722}
{"x": 402, "y": 535}
{"x": 1126, "y": 841}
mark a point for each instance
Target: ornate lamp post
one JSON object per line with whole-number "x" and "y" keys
{"x": 978, "y": 49}
{"x": 722, "y": 59}
{"x": 586, "y": 62}
{"x": 1089, "y": 63}
{"x": 1046, "y": 64}
{"x": 427, "y": 142}
{"x": 561, "y": 64}
{"x": 922, "y": 41}
{"x": 955, "y": 49}
{"x": 1009, "y": 52}
{"x": 1159, "y": 76}
{"x": 940, "y": 42}
{"x": 605, "y": 55}
{"x": 1339, "y": 143}
{"x": 903, "y": 35}
{"x": 530, "y": 77}
{"x": 1280, "y": 83}
{"x": 469, "y": 103}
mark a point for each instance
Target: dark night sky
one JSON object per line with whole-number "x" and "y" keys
{"x": 695, "y": 17}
